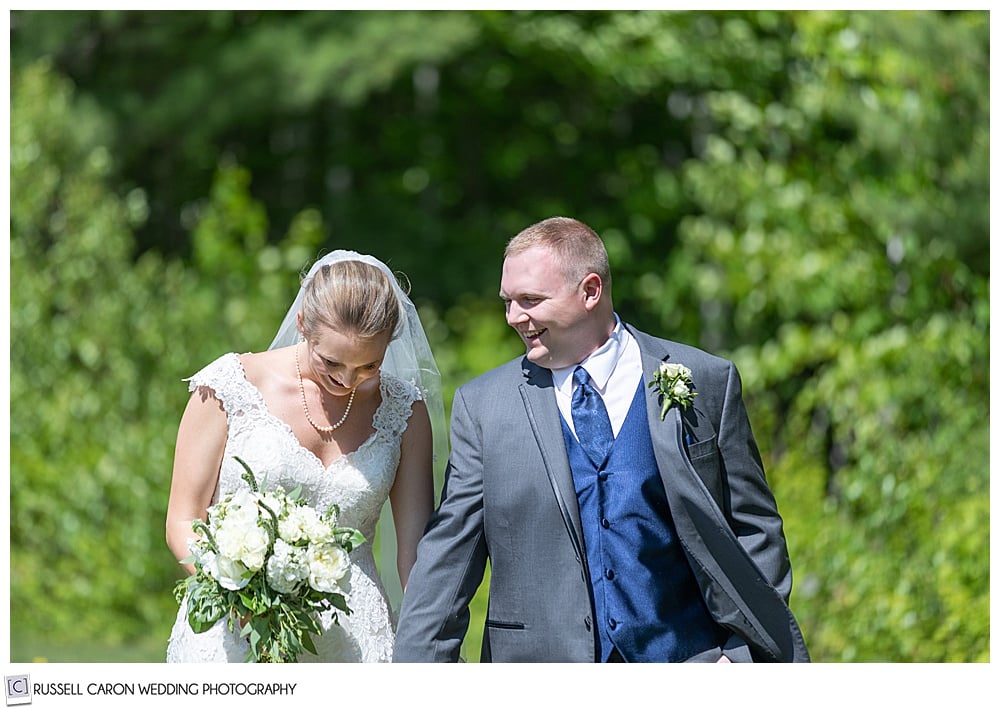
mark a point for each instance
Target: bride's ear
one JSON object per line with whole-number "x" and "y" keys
{"x": 298, "y": 324}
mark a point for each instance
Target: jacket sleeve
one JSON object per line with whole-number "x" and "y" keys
{"x": 451, "y": 556}
{"x": 751, "y": 507}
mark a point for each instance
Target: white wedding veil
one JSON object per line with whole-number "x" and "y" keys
{"x": 409, "y": 358}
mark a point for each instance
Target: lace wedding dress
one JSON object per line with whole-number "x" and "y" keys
{"x": 358, "y": 482}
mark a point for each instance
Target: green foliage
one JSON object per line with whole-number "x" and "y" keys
{"x": 805, "y": 192}
{"x": 84, "y": 466}
{"x": 852, "y": 279}
{"x": 100, "y": 342}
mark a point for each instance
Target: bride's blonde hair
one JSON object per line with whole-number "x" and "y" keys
{"x": 352, "y": 297}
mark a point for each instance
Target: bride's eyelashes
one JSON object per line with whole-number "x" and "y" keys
{"x": 332, "y": 364}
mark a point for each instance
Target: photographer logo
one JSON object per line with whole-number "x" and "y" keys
{"x": 18, "y": 689}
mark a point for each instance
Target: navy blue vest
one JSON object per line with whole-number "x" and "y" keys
{"x": 647, "y": 603}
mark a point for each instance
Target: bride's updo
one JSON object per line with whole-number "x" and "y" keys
{"x": 352, "y": 297}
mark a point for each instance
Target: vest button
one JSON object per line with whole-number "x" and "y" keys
{"x": 612, "y": 624}
{"x": 605, "y": 523}
{"x": 610, "y": 574}
{"x": 602, "y": 476}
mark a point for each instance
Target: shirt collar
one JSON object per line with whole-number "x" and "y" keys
{"x": 599, "y": 364}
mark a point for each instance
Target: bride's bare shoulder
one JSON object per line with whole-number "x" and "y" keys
{"x": 264, "y": 367}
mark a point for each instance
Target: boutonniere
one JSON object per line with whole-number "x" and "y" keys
{"x": 673, "y": 382}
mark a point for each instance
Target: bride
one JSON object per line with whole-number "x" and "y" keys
{"x": 341, "y": 405}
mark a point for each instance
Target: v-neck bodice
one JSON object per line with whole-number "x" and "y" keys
{"x": 357, "y": 481}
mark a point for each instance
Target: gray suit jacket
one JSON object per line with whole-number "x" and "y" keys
{"x": 509, "y": 498}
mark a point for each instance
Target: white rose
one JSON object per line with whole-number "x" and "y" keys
{"x": 230, "y": 573}
{"x": 670, "y": 369}
{"x": 680, "y": 389}
{"x": 241, "y": 538}
{"x": 286, "y": 567}
{"x": 329, "y": 567}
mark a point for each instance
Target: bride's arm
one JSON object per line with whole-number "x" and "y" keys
{"x": 201, "y": 441}
{"x": 412, "y": 494}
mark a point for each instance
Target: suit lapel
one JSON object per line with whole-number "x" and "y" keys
{"x": 546, "y": 425}
{"x": 680, "y": 480}
{"x": 667, "y": 433}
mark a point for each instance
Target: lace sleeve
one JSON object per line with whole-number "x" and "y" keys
{"x": 224, "y": 376}
{"x": 398, "y": 397}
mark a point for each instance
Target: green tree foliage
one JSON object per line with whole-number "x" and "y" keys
{"x": 804, "y": 192}
{"x": 851, "y": 275}
{"x": 100, "y": 343}
{"x": 87, "y": 327}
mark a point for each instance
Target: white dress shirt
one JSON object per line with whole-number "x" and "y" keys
{"x": 615, "y": 371}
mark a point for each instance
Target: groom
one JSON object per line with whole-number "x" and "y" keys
{"x": 613, "y": 533}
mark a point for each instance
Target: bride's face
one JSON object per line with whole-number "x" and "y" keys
{"x": 339, "y": 362}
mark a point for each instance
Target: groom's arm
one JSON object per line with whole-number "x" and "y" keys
{"x": 752, "y": 510}
{"x": 755, "y": 520}
{"x": 451, "y": 557}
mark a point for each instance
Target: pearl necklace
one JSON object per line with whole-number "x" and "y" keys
{"x": 305, "y": 407}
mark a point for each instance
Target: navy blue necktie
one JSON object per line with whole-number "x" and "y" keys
{"x": 590, "y": 418}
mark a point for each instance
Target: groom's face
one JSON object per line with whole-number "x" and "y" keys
{"x": 545, "y": 308}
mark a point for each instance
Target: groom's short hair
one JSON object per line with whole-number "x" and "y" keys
{"x": 577, "y": 246}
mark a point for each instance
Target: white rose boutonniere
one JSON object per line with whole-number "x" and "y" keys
{"x": 673, "y": 382}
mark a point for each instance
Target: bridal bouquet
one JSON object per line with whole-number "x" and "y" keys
{"x": 267, "y": 558}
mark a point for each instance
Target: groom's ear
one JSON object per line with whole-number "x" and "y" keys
{"x": 592, "y": 287}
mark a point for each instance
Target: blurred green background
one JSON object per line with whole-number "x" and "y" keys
{"x": 805, "y": 193}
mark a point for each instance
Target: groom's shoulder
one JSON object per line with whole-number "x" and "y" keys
{"x": 675, "y": 351}
{"x": 503, "y": 375}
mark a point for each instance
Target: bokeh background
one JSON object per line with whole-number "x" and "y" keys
{"x": 805, "y": 193}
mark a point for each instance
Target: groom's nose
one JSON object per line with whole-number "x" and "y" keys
{"x": 515, "y": 314}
